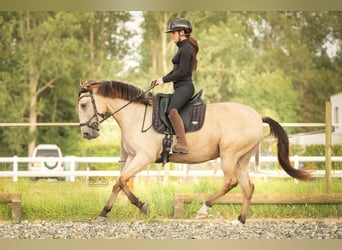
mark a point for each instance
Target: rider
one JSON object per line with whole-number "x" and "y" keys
{"x": 184, "y": 63}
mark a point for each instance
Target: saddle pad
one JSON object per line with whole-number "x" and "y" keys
{"x": 193, "y": 116}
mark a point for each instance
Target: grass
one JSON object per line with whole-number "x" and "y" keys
{"x": 61, "y": 201}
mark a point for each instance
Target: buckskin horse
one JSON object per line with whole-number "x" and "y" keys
{"x": 231, "y": 131}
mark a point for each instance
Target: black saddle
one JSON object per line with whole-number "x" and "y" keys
{"x": 193, "y": 114}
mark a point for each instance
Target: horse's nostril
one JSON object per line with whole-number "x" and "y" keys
{"x": 85, "y": 135}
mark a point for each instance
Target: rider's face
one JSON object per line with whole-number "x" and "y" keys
{"x": 177, "y": 35}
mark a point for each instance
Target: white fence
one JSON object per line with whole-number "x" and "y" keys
{"x": 182, "y": 170}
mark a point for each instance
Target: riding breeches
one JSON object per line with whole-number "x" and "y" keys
{"x": 181, "y": 95}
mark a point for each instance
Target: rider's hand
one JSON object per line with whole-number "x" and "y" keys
{"x": 157, "y": 82}
{"x": 154, "y": 83}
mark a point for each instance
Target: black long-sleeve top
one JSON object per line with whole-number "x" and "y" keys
{"x": 183, "y": 64}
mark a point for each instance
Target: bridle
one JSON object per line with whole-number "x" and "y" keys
{"x": 96, "y": 124}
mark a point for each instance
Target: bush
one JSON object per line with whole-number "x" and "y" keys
{"x": 317, "y": 150}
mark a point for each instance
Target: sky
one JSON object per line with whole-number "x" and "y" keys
{"x": 133, "y": 58}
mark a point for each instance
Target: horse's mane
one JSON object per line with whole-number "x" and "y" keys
{"x": 126, "y": 91}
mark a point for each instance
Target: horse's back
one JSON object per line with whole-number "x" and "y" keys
{"x": 234, "y": 123}
{"x": 233, "y": 113}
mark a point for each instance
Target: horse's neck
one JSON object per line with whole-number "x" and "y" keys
{"x": 131, "y": 115}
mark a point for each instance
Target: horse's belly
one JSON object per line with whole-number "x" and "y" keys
{"x": 228, "y": 127}
{"x": 192, "y": 158}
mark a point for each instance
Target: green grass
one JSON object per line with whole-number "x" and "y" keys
{"x": 59, "y": 201}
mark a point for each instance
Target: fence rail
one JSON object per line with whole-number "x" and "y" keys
{"x": 184, "y": 170}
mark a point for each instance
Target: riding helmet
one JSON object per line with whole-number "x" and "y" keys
{"x": 180, "y": 24}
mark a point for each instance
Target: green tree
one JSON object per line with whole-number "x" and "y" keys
{"x": 46, "y": 54}
{"x": 296, "y": 42}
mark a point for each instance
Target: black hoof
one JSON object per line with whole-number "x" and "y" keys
{"x": 242, "y": 219}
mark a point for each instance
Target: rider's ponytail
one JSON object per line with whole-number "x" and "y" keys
{"x": 194, "y": 44}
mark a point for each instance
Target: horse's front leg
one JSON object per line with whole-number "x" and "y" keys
{"x": 115, "y": 191}
{"x": 124, "y": 160}
{"x": 130, "y": 170}
{"x": 133, "y": 199}
{"x": 120, "y": 184}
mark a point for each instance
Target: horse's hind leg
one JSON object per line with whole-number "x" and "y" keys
{"x": 246, "y": 185}
{"x": 230, "y": 181}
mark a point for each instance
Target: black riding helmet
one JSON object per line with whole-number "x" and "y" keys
{"x": 179, "y": 24}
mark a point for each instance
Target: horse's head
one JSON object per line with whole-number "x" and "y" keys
{"x": 90, "y": 110}
{"x": 93, "y": 106}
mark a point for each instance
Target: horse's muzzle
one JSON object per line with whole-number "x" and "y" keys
{"x": 92, "y": 135}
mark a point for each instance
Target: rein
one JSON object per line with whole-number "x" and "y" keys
{"x": 95, "y": 125}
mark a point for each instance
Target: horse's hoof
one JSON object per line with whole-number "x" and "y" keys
{"x": 242, "y": 219}
{"x": 237, "y": 222}
{"x": 101, "y": 219}
{"x": 201, "y": 216}
{"x": 144, "y": 209}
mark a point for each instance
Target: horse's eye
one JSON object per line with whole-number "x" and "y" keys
{"x": 83, "y": 106}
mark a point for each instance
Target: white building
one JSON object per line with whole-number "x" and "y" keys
{"x": 336, "y": 105}
{"x": 318, "y": 137}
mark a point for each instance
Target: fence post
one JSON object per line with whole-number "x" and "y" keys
{"x": 328, "y": 145}
{"x": 15, "y": 168}
{"x": 72, "y": 169}
{"x": 166, "y": 173}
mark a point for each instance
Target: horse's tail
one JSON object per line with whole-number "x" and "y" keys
{"x": 283, "y": 150}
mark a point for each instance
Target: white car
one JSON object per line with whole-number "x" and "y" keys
{"x": 51, "y": 152}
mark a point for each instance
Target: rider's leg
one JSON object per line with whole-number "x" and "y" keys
{"x": 178, "y": 126}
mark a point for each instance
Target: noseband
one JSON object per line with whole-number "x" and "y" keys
{"x": 95, "y": 124}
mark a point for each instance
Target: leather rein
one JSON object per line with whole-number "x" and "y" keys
{"x": 95, "y": 124}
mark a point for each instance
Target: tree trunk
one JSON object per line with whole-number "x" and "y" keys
{"x": 164, "y": 43}
{"x": 154, "y": 59}
{"x": 32, "y": 118}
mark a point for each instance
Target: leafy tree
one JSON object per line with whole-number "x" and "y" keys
{"x": 296, "y": 43}
{"x": 46, "y": 55}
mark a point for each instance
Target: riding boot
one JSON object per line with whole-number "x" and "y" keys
{"x": 178, "y": 126}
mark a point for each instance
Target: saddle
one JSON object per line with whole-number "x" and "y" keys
{"x": 193, "y": 115}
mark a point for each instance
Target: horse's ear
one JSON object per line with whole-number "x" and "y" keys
{"x": 82, "y": 83}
